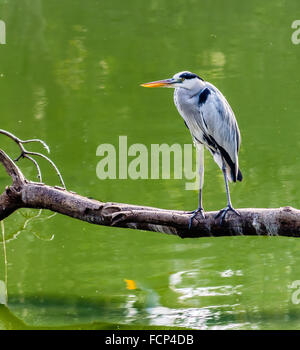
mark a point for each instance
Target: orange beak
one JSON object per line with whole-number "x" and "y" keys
{"x": 159, "y": 83}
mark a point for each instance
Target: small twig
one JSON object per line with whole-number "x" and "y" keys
{"x": 37, "y": 140}
{"x": 20, "y": 142}
{"x": 37, "y": 166}
{"x": 12, "y": 169}
{"x": 52, "y": 163}
{"x": 26, "y": 154}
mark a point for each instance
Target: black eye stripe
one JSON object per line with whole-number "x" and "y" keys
{"x": 189, "y": 76}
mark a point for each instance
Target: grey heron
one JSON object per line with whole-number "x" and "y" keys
{"x": 212, "y": 125}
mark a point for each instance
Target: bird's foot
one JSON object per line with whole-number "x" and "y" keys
{"x": 195, "y": 212}
{"x": 223, "y": 212}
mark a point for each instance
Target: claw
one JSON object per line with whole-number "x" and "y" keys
{"x": 223, "y": 212}
{"x": 195, "y": 212}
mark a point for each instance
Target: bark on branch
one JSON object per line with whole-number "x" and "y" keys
{"x": 26, "y": 194}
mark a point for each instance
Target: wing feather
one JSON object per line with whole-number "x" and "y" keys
{"x": 217, "y": 122}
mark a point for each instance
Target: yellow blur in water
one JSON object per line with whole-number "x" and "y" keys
{"x": 130, "y": 284}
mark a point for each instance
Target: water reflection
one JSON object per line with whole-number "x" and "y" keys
{"x": 40, "y": 102}
{"x": 50, "y": 311}
{"x": 22, "y": 219}
{"x": 186, "y": 285}
{"x": 71, "y": 71}
{"x": 213, "y": 63}
{"x": 213, "y": 317}
{"x": 192, "y": 278}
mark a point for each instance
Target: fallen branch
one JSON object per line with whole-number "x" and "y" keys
{"x": 27, "y": 194}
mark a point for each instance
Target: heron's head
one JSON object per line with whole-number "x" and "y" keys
{"x": 185, "y": 80}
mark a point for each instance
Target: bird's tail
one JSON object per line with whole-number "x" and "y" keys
{"x": 230, "y": 166}
{"x": 232, "y": 176}
{"x": 239, "y": 175}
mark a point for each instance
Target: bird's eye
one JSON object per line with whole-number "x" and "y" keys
{"x": 182, "y": 79}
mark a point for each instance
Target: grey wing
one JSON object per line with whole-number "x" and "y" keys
{"x": 221, "y": 131}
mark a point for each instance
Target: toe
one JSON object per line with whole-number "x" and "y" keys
{"x": 195, "y": 212}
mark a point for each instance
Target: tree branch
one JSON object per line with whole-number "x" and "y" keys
{"x": 26, "y": 194}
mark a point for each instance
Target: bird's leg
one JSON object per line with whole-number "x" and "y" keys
{"x": 201, "y": 177}
{"x": 198, "y": 210}
{"x": 223, "y": 212}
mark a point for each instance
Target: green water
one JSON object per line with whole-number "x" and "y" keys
{"x": 70, "y": 74}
